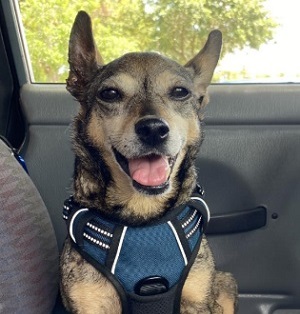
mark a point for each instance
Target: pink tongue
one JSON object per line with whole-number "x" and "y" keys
{"x": 149, "y": 170}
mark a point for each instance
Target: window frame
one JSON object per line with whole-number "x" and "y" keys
{"x": 21, "y": 56}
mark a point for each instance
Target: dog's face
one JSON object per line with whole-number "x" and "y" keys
{"x": 138, "y": 129}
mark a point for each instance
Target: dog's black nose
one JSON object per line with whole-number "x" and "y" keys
{"x": 152, "y": 131}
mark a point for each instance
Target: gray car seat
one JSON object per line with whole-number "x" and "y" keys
{"x": 28, "y": 248}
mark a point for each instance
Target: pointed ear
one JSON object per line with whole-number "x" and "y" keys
{"x": 204, "y": 63}
{"x": 83, "y": 55}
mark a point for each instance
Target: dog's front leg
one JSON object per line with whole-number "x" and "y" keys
{"x": 84, "y": 289}
{"x": 197, "y": 293}
{"x": 207, "y": 291}
{"x": 225, "y": 290}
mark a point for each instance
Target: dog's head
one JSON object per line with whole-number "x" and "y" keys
{"x": 138, "y": 129}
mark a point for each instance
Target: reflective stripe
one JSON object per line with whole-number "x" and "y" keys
{"x": 72, "y": 223}
{"x": 113, "y": 268}
{"x": 178, "y": 242}
{"x": 204, "y": 204}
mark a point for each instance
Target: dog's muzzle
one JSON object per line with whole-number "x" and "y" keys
{"x": 149, "y": 172}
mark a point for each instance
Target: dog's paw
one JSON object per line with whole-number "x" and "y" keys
{"x": 200, "y": 308}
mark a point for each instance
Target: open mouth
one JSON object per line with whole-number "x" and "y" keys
{"x": 149, "y": 173}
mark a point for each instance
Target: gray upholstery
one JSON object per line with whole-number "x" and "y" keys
{"x": 28, "y": 248}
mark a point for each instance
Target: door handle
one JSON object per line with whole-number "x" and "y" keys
{"x": 240, "y": 221}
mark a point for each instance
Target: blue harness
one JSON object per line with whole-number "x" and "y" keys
{"x": 147, "y": 264}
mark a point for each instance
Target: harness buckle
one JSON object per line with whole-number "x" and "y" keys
{"x": 151, "y": 286}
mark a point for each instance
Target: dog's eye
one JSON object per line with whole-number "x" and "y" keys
{"x": 179, "y": 92}
{"x": 109, "y": 95}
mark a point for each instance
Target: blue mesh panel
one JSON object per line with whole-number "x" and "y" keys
{"x": 103, "y": 224}
{"x": 94, "y": 251}
{"x": 184, "y": 213}
{"x": 149, "y": 252}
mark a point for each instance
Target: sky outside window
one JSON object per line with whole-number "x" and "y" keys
{"x": 276, "y": 61}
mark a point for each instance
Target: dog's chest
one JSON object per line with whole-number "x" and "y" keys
{"x": 131, "y": 254}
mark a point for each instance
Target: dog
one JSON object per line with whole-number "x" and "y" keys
{"x": 136, "y": 138}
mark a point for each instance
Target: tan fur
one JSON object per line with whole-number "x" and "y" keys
{"x": 145, "y": 83}
{"x": 200, "y": 272}
{"x": 83, "y": 293}
{"x": 199, "y": 294}
{"x": 126, "y": 80}
{"x": 226, "y": 303}
{"x": 89, "y": 285}
{"x": 88, "y": 186}
{"x": 226, "y": 289}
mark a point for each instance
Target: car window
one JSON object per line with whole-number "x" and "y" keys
{"x": 259, "y": 35}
